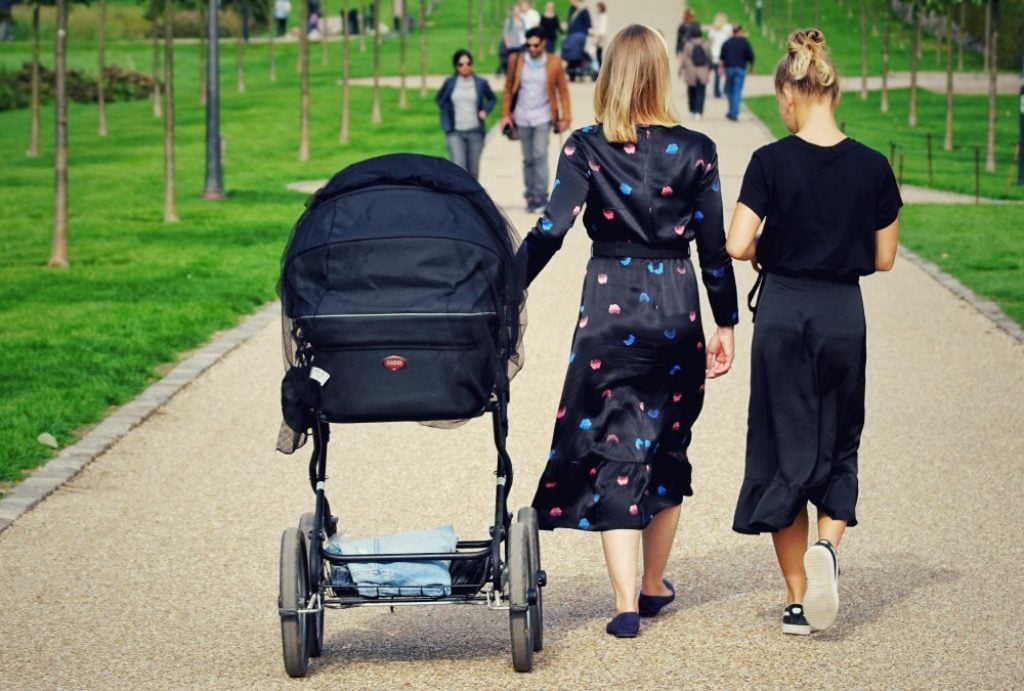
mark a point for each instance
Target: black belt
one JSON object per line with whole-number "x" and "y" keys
{"x": 629, "y": 249}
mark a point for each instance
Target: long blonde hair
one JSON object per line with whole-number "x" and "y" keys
{"x": 807, "y": 65}
{"x": 634, "y": 85}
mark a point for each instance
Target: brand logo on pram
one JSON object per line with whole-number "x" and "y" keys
{"x": 394, "y": 362}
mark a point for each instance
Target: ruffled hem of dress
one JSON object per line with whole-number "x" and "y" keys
{"x": 765, "y": 506}
{"x": 610, "y": 495}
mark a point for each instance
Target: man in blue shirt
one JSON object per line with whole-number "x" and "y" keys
{"x": 737, "y": 54}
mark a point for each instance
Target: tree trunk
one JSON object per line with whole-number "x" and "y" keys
{"x": 947, "y": 142}
{"x": 915, "y": 54}
{"x": 33, "y": 139}
{"x": 325, "y": 58}
{"x": 157, "y": 91}
{"x": 403, "y": 99}
{"x": 375, "y": 116}
{"x": 101, "y": 95}
{"x": 272, "y": 56}
{"x": 987, "y": 50}
{"x": 170, "y": 210}
{"x": 886, "y": 23}
{"x": 960, "y": 36}
{"x": 304, "y": 82}
{"x": 59, "y": 250}
{"x": 240, "y": 60}
{"x": 423, "y": 48}
{"x": 213, "y": 188}
{"x": 993, "y": 72}
{"x": 345, "y": 64}
{"x": 863, "y": 50}
{"x": 203, "y": 15}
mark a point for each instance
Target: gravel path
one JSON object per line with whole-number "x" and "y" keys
{"x": 157, "y": 565}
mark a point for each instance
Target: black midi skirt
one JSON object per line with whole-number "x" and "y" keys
{"x": 806, "y": 408}
{"x": 634, "y": 387}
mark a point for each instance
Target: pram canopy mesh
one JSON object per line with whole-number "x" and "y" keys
{"x": 401, "y": 298}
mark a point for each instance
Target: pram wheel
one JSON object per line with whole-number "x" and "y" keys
{"x": 519, "y": 597}
{"x": 528, "y": 517}
{"x": 311, "y": 538}
{"x": 292, "y": 597}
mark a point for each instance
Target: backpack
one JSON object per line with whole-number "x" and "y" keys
{"x": 699, "y": 56}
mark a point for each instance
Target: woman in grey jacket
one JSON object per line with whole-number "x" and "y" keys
{"x": 465, "y": 100}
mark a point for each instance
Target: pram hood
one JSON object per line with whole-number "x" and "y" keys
{"x": 390, "y": 244}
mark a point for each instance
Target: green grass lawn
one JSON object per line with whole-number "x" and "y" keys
{"x": 842, "y": 32}
{"x": 140, "y": 292}
{"x": 979, "y": 245}
{"x": 951, "y": 170}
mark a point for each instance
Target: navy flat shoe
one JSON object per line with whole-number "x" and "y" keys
{"x": 625, "y": 625}
{"x": 650, "y": 605}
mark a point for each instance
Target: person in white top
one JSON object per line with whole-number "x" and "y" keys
{"x": 600, "y": 31}
{"x": 531, "y": 17}
{"x": 719, "y": 33}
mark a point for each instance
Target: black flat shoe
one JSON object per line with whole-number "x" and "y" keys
{"x": 625, "y": 625}
{"x": 650, "y": 605}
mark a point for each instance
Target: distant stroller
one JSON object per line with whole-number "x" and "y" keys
{"x": 401, "y": 298}
{"x": 579, "y": 64}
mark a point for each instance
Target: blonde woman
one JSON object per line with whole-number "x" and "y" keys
{"x": 719, "y": 33}
{"x": 830, "y": 207}
{"x": 645, "y": 188}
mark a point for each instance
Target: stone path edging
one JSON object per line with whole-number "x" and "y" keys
{"x": 72, "y": 459}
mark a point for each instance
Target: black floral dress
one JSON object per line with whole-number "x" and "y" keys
{"x": 635, "y": 383}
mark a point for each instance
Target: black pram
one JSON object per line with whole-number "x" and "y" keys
{"x": 579, "y": 64}
{"x": 401, "y": 300}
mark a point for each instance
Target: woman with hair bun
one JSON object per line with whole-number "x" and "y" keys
{"x": 830, "y": 207}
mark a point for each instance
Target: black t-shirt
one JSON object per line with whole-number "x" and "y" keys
{"x": 822, "y": 206}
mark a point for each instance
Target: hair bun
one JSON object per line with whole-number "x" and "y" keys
{"x": 807, "y": 49}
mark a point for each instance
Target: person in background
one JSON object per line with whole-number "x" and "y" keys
{"x": 645, "y": 188}
{"x": 687, "y": 29}
{"x": 719, "y": 33}
{"x": 465, "y": 100}
{"x": 737, "y": 54}
{"x": 600, "y": 30}
{"x": 695, "y": 65}
{"x": 536, "y": 99}
{"x": 6, "y": 20}
{"x": 550, "y": 26}
{"x": 531, "y": 17}
{"x": 282, "y": 8}
{"x": 830, "y": 207}
{"x": 513, "y": 36}
{"x": 579, "y": 18}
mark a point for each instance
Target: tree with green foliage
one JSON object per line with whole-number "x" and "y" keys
{"x": 886, "y": 24}
{"x": 155, "y": 34}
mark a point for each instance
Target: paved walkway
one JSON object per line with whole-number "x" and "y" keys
{"x": 157, "y": 566}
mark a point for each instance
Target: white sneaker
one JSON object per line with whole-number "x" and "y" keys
{"x": 821, "y": 604}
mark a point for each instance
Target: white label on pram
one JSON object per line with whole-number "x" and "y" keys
{"x": 320, "y": 375}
